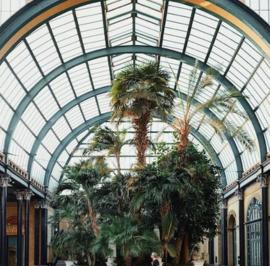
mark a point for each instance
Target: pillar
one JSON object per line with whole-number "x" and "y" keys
{"x": 239, "y": 194}
{"x": 37, "y": 205}
{"x": 44, "y": 232}
{"x": 19, "y": 195}
{"x": 224, "y": 235}
{"x": 4, "y": 180}
{"x": 27, "y": 196}
{"x": 211, "y": 252}
{"x": 262, "y": 179}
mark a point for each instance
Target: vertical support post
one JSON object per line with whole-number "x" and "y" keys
{"x": 224, "y": 235}
{"x": 44, "y": 232}
{"x": 27, "y": 196}
{"x": 211, "y": 252}
{"x": 262, "y": 179}
{"x": 239, "y": 194}
{"x": 4, "y": 180}
{"x": 19, "y": 196}
{"x": 37, "y": 227}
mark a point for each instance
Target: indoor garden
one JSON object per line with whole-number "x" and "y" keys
{"x": 168, "y": 205}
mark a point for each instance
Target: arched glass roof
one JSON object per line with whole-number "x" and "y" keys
{"x": 58, "y": 59}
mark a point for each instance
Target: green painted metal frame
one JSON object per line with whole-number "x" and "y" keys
{"x": 104, "y": 118}
{"x": 94, "y": 93}
{"x": 121, "y": 50}
{"x": 37, "y": 7}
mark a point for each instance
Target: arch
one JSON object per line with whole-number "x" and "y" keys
{"x": 121, "y": 50}
{"x": 232, "y": 11}
{"x": 99, "y": 120}
{"x": 88, "y": 95}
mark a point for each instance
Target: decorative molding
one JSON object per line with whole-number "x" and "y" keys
{"x": 44, "y": 204}
{"x": 27, "y": 194}
{"x": 223, "y": 204}
{"x": 4, "y": 180}
{"x": 37, "y": 204}
{"x": 239, "y": 194}
{"x": 19, "y": 194}
{"x": 262, "y": 178}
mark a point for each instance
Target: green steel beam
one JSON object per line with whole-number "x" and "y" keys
{"x": 34, "y": 8}
{"x": 88, "y": 95}
{"x": 104, "y": 118}
{"x": 68, "y": 139}
{"x": 121, "y": 50}
{"x": 43, "y": 132}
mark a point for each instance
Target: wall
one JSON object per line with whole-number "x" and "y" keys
{"x": 12, "y": 211}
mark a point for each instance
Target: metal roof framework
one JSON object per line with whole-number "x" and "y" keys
{"x": 58, "y": 59}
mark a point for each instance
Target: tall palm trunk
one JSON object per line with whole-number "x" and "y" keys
{"x": 164, "y": 210}
{"x": 183, "y": 140}
{"x": 185, "y": 250}
{"x": 178, "y": 247}
{"x": 140, "y": 125}
{"x": 127, "y": 257}
{"x": 93, "y": 219}
{"x": 117, "y": 156}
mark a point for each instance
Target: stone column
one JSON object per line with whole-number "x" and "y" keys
{"x": 262, "y": 179}
{"x": 224, "y": 233}
{"x": 37, "y": 228}
{"x": 27, "y": 196}
{"x": 239, "y": 194}
{"x": 4, "y": 180}
{"x": 44, "y": 232}
{"x": 211, "y": 252}
{"x": 19, "y": 195}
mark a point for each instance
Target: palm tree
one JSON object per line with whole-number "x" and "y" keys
{"x": 124, "y": 232}
{"x": 105, "y": 139}
{"x": 158, "y": 187}
{"x": 223, "y": 103}
{"x": 83, "y": 176}
{"x": 138, "y": 92}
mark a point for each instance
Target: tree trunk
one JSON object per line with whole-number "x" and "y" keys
{"x": 178, "y": 246}
{"x": 164, "y": 210}
{"x": 128, "y": 260}
{"x": 183, "y": 141}
{"x": 140, "y": 125}
{"x": 186, "y": 249}
{"x": 93, "y": 219}
{"x": 89, "y": 261}
{"x": 117, "y": 156}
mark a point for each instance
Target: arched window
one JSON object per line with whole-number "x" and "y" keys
{"x": 254, "y": 233}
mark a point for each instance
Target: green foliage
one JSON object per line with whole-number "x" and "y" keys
{"x": 141, "y": 89}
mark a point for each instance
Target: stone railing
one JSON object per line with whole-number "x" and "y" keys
{"x": 231, "y": 184}
{"x": 18, "y": 169}
{"x": 37, "y": 184}
{"x": 251, "y": 169}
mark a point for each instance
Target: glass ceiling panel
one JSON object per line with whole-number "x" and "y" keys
{"x": 38, "y": 173}
{"x": 10, "y": 87}
{"x": 18, "y": 155}
{"x": 178, "y": 19}
{"x": 24, "y": 66}
{"x": 66, "y": 36}
{"x": 42, "y": 156}
{"x": 80, "y": 79}
{"x": 91, "y": 27}
{"x": 43, "y": 48}
{"x": 201, "y": 35}
{"x": 33, "y": 119}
